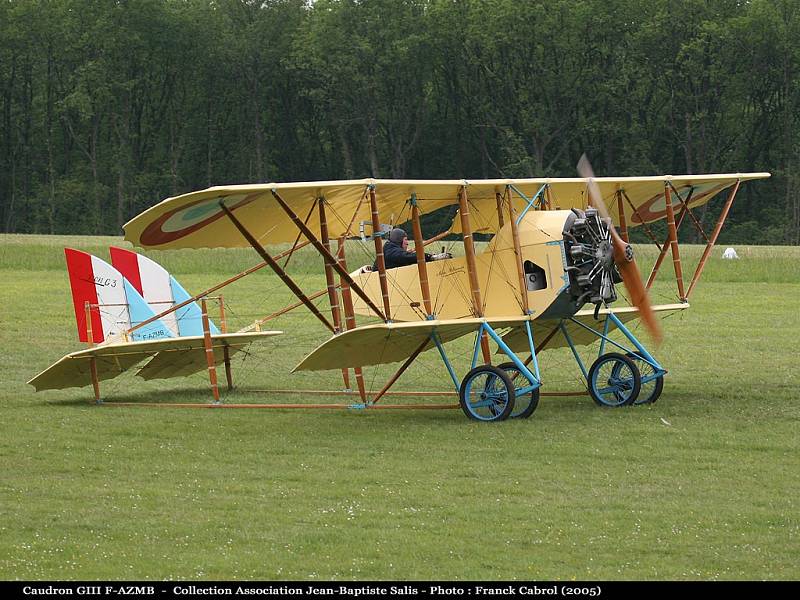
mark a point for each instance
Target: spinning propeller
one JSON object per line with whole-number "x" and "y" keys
{"x": 622, "y": 256}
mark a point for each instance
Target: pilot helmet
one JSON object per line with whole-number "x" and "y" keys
{"x": 397, "y": 235}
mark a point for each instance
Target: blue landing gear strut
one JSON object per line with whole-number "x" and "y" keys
{"x": 619, "y": 379}
{"x": 490, "y": 393}
{"x": 511, "y": 389}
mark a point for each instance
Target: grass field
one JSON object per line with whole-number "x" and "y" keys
{"x": 704, "y": 484}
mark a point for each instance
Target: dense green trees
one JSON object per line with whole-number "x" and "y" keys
{"x": 109, "y": 106}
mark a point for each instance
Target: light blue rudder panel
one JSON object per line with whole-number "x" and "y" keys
{"x": 190, "y": 317}
{"x": 140, "y": 311}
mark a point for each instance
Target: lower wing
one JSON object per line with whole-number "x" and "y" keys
{"x": 385, "y": 343}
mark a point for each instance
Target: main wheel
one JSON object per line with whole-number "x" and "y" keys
{"x": 523, "y": 405}
{"x": 487, "y": 394}
{"x": 614, "y": 380}
{"x": 652, "y": 383}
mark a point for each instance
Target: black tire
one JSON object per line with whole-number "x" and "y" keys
{"x": 614, "y": 380}
{"x": 486, "y": 394}
{"x": 524, "y": 406}
{"x": 650, "y": 391}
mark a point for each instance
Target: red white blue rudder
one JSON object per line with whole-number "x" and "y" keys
{"x": 161, "y": 291}
{"x": 115, "y": 305}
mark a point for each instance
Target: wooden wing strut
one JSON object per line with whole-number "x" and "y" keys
{"x": 327, "y": 255}
{"x": 276, "y": 267}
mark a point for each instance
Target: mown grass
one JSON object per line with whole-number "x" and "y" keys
{"x": 702, "y": 485}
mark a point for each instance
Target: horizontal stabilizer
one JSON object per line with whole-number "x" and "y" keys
{"x": 184, "y": 361}
{"x": 112, "y": 359}
{"x": 74, "y": 371}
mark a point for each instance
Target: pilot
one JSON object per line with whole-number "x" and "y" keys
{"x": 396, "y": 255}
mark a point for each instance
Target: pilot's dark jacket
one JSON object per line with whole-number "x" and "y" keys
{"x": 394, "y": 256}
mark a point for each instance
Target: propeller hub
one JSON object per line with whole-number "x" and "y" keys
{"x": 628, "y": 252}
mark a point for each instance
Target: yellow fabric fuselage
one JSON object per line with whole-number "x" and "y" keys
{"x": 541, "y": 243}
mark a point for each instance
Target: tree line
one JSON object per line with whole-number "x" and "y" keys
{"x": 109, "y": 106}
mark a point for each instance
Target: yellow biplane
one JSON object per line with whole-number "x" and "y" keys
{"x": 546, "y": 278}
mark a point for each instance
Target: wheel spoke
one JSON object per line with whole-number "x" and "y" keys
{"x": 614, "y": 380}
{"x": 607, "y": 390}
{"x": 485, "y": 394}
{"x": 482, "y": 403}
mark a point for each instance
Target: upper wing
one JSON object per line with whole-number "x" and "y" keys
{"x": 196, "y": 220}
{"x": 384, "y": 343}
{"x": 639, "y": 199}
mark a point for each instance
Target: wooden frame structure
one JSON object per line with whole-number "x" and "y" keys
{"x": 340, "y": 293}
{"x": 672, "y": 238}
